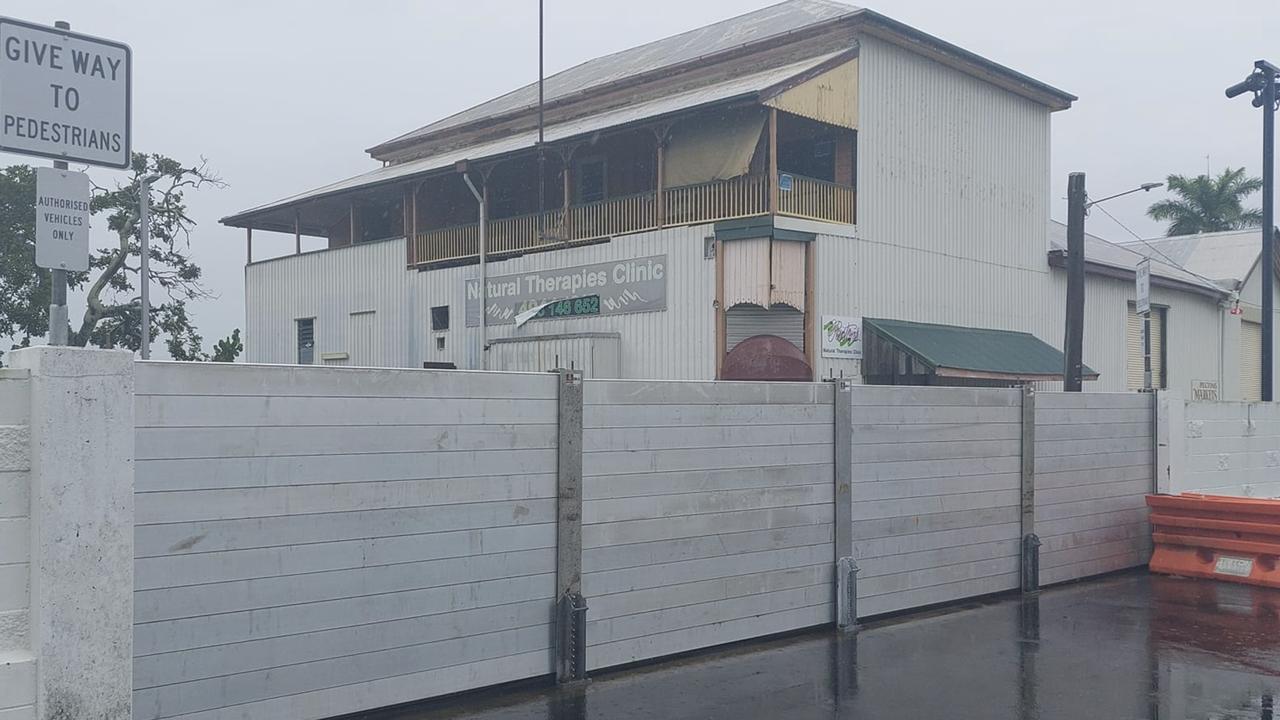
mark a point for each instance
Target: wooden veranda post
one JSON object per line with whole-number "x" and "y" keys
{"x": 773, "y": 160}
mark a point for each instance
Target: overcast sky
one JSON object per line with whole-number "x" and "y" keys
{"x": 283, "y": 96}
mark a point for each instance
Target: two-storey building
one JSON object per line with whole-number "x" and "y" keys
{"x": 745, "y": 200}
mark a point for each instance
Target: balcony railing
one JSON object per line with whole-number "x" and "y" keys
{"x": 817, "y": 200}
{"x": 720, "y": 200}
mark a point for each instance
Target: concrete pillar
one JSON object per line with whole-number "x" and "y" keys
{"x": 81, "y": 540}
{"x": 1171, "y": 442}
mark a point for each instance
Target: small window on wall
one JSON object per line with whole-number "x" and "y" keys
{"x": 1134, "y": 362}
{"x": 440, "y": 318}
{"x": 306, "y": 341}
{"x": 592, "y": 185}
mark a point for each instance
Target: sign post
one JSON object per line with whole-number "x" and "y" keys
{"x": 1143, "y": 306}
{"x": 67, "y": 97}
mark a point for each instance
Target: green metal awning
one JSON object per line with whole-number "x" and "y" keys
{"x": 976, "y": 353}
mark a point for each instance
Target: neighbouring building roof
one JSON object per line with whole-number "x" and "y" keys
{"x": 1225, "y": 257}
{"x": 1121, "y": 261}
{"x": 955, "y": 351}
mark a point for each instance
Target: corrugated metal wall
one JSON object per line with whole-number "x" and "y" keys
{"x": 329, "y": 286}
{"x": 676, "y": 344}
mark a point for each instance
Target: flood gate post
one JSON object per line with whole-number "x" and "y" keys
{"x": 1030, "y": 546}
{"x": 846, "y": 567}
{"x": 571, "y": 607}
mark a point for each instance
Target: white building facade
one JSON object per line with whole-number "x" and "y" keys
{"x": 950, "y": 201}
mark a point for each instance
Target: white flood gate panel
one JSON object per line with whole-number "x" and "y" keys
{"x": 707, "y": 514}
{"x": 596, "y": 354}
{"x": 936, "y": 478}
{"x": 1094, "y": 460}
{"x": 312, "y": 542}
{"x": 1232, "y": 448}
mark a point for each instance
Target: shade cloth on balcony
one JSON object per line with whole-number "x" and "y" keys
{"x": 711, "y": 146}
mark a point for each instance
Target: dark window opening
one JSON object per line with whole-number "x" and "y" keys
{"x": 592, "y": 185}
{"x": 440, "y": 318}
{"x": 306, "y": 341}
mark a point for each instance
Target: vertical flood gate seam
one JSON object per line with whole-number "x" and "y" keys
{"x": 571, "y": 607}
{"x": 1030, "y": 545}
{"x": 846, "y": 568}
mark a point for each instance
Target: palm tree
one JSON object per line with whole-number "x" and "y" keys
{"x": 1206, "y": 204}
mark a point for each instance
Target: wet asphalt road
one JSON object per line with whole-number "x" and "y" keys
{"x": 1127, "y": 646}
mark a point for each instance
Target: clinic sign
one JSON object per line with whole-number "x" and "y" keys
{"x": 622, "y": 286}
{"x": 64, "y": 95}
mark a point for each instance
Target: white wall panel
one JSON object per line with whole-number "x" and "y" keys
{"x": 935, "y": 494}
{"x": 1232, "y": 448}
{"x": 1094, "y": 465}
{"x": 317, "y": 541}
{"x": 704, "y": 533}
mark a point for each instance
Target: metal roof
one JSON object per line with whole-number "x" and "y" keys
{"x": 1125, "y": 257}
{"x": 753, "y": 28}
{"x": 744, "y": 86}
{"x": 976, "y": 350}
{"x": 1226, "y": 257}
{"x": 767, "y": 22}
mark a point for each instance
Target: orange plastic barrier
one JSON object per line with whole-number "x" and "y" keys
{"x": 1215, "y": 536}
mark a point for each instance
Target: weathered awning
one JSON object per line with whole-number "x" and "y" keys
{"x": 951, "y": 351}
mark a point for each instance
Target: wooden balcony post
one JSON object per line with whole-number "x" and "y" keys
{"x": 659, "y": 199}
{"x": 773, "y": 160}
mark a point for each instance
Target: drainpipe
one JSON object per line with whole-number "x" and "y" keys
{"x": 484, "y": 280}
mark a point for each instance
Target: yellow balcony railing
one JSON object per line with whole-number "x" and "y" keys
{"x": 742, "y": 196}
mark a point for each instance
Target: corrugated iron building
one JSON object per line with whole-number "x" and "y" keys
{"x": 782, "y": 173}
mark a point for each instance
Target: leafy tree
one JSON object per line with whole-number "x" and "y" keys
{"x": 111, "y": 318}
{"x": 228, "y": 348}
{"x": 1208, "y": 204}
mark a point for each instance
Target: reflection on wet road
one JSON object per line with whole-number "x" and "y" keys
{"x": 1128, "y": 646}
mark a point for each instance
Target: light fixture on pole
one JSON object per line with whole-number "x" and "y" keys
{"x": 1262, "y": 83}
{"x": 144, "y": 250}
{"x": 1078, "y": 205}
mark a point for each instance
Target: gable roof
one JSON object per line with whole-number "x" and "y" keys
{"x": 1122, "y": 258}
{"x": 1227, "y": 257}
{"x": 701, "y": 42}
{"x": 720, "y": 39}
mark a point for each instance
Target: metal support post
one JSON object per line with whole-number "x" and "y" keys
{"x": 58, "y": 327}
{"x": 144, "y": 269}
{"x": 1146, "y": 351}
{"x": 1073, "y": 344}
{"x": 1268, "y": 236}
{"x": 1030, "y": 542}
{"x": 846, "y": 567}
{"x": 571, "y": 607}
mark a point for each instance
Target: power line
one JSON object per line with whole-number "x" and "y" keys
{"x": 1168, "y": 260}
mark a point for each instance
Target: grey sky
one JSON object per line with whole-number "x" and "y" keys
{"x": 284, "y": 96}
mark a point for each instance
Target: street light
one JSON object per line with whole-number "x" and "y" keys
{"x": 1078, "y": 205}
{"x": 1262, "y": 83}
{"x": 144, "y": 271}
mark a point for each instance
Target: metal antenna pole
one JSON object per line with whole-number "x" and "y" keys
{"x": 542, "y": 155}
{"x": 58, "y": 328}
{"x": 1073, "y": 350}
{"x": 1268, "y": 232}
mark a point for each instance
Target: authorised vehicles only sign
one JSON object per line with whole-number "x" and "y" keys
{"x": 64, "y": 95}
{"x": 62, "y": 219}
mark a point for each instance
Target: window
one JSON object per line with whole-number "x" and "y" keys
{"x": 592, "y": 174}
{"x": 1134, "y": 350}
{"x": 306, "y": 341}
{"x": 1250, "y": 361}
{"x": 440, "y": 318}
